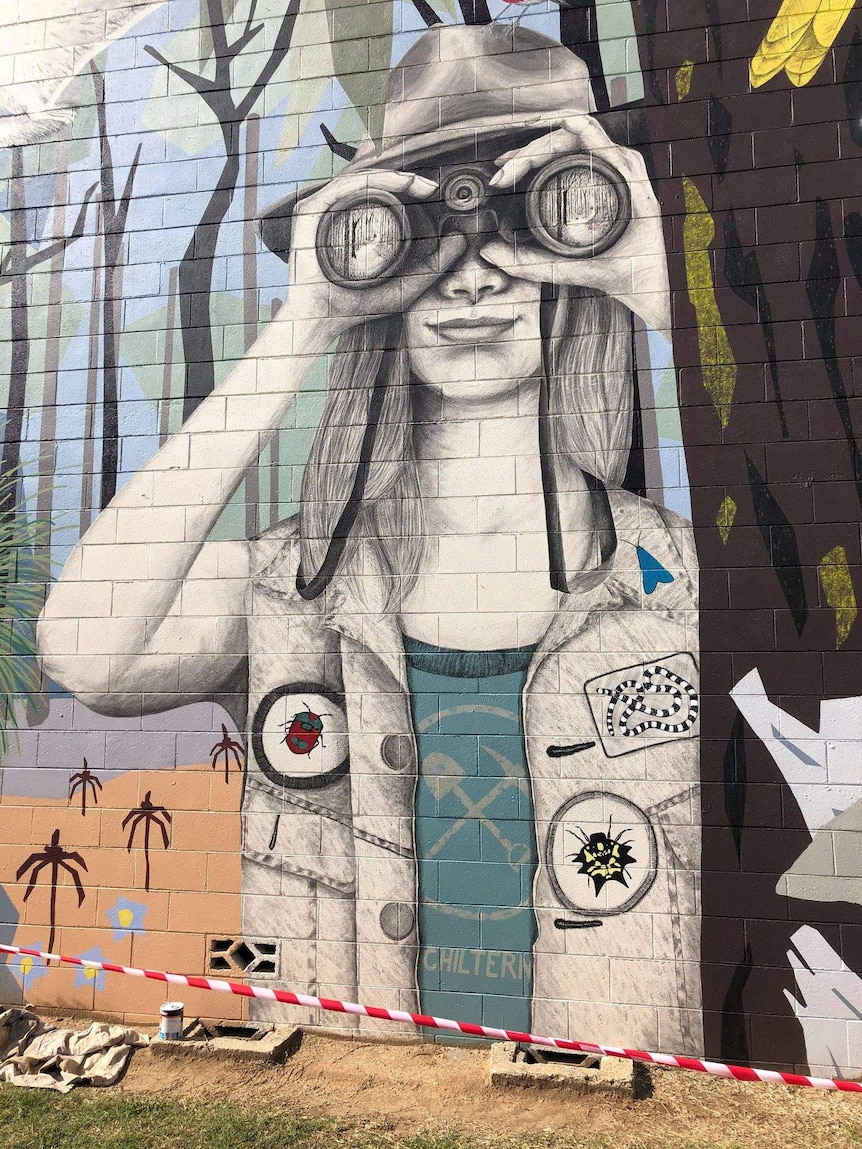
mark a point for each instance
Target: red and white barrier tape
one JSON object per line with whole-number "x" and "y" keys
{"x": 716, "y": 1068}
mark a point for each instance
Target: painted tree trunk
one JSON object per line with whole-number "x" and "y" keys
{"x": 249, "y": 297}
{"x": 48, "y": 426}
{"x": 52, "y": 912}
{"x": 196, "y": 277}
{"x": 579, "y": 31}
{"x": 20, "y": 330}
{"x": 114, "y": 215}
{"x": 110, "y": 370}
{"x": 89, "y": 433}
{"x": 168, "y": 370}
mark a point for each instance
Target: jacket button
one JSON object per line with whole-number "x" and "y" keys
{"x": 397, "y": 751}
{"x": 396, "y": 921}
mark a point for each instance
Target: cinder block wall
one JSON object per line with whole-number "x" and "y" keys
{"x": 429, "y": 513}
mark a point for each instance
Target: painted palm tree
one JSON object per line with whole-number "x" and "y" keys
{"x": 58, "y": 859}
{"x": 83, "y": 781}
{"x": 148, "y": 816}
{"x": 227, "y": 749}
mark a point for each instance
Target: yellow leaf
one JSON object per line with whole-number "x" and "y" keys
{"x": 798, "y": 40}
{"x": 725, "y": 518}
{"x": 718, "y": 365}
{"x": 793, "y": 19}
{"x": 683, "y": 79}
{"x": 804, "y": 65}
{"x": 838, "y": 588}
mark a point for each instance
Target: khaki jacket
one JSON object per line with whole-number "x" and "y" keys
{"x": 329, "y": 868}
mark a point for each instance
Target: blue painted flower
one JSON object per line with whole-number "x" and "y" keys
{"x": 85, "y": 976}
{"x": 29, "y": 969}
{"x": 127, "y": 917}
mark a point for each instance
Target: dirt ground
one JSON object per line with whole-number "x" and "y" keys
{"x": 403, "y": 1090}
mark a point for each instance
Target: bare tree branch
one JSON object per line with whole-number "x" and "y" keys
{"x": 245, "y": 39}
{"x": 107, "y": 162}
{"x": 217, "y": 28}
{"x": 127, "y": 191}
{"x": 426, "y": 12}
{"x": 276, "y": 57}
{"x": 195, "y": 276}
{"x": 475, "y": 11}
{"x": 199, "y": 84}
{"x": 54, "y": 248}
{"x": 345, "y": 151}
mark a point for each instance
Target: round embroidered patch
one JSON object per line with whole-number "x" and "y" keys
{"x": 601, "y": 854}
{"x": 299, "y": 736}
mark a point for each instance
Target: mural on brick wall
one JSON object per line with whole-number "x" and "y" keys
{"x": 349, "y": 358}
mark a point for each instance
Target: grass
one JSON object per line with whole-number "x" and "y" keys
{"x": 37, "y": 1119}
{"x": 96, "y": 1119}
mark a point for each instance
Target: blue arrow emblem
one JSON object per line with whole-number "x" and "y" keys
{"x": 652, "y": 571}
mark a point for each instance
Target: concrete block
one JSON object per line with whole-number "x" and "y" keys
{"x": 273, "y": 1046}
{"x": 513, "y": 1064}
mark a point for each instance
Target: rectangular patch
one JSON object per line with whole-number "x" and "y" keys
{"x": 646, "y": 704}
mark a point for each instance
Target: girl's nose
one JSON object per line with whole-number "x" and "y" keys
{"x": 471, "y": 279}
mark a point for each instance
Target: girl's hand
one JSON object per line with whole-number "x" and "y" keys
{"x": 324, "y": 310}
{"x": 634, "y": 270}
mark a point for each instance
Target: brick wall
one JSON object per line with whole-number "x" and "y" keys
{"x": 430, "y": 454}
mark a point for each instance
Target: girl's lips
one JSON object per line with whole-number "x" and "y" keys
{"x": 481, "y": 329}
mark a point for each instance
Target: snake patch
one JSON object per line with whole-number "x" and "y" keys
{"x": 645, "y": 704}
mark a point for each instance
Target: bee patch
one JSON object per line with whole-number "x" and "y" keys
{"x": 299, "y": 736}
{"x": 602, "y": 854}
{"x": 644, "y": 705}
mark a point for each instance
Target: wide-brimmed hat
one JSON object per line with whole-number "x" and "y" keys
{"x": 458, "y": 84}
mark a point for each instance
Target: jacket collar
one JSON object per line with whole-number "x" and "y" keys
{"x": 611, "y": 583}
{"x": 363, "y": 619}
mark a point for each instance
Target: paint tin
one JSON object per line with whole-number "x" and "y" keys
{"x": 171, "y": 1025}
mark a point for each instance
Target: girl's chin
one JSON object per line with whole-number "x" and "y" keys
{"x": 475, "y": 370}
{"x": 479, "y": 391}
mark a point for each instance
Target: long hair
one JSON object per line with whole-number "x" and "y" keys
{"x": 591, "y": 403}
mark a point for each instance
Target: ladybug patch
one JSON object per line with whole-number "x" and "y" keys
{"x": 304, "y": 731}
{"x": 299, "y": 736}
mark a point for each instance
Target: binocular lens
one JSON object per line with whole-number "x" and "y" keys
{"x": 363, "y": 242}
{"x": 579, "y": 206}
{"x": 465, "y": 191}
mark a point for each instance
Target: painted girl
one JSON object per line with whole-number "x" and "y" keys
{"x": 469, "y": 665}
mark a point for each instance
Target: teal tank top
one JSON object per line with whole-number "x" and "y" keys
{"x": 475, "y": 834}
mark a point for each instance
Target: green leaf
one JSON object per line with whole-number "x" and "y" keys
{"x": 21, "y": 599}
{"x": 361, "y": 39}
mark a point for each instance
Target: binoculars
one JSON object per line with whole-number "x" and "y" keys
{"x": 577, "y": 206}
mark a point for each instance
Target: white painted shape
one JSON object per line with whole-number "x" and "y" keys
{"x": 71, "y": 39}
{"x": 822, "y": 769}
{"x": 828, "y": 1006}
